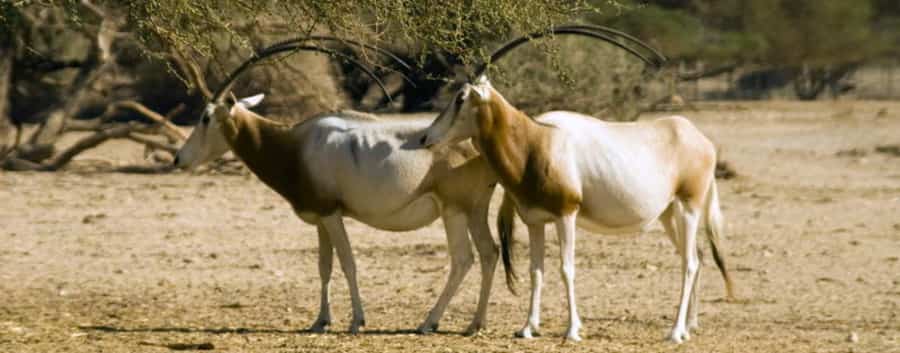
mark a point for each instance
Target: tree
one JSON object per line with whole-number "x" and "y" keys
{"x": 97, "y": 59}
{"x": 815, "y": 44}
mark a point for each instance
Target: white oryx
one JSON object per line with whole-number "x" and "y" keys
{"x": 349, "y": 164}
{"x": 569, "y": 169}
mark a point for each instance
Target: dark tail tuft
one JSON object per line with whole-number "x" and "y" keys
{"x": 505, "y": 228}
{"x": 714, "y": 230}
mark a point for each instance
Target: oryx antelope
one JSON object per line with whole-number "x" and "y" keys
{"x": 348, "y": 164}
{"x": 568, "y": 168}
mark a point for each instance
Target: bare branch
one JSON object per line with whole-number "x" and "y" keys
{"x": 149, "y": 142}
{"x": 191, "y": 72}
{"x": 168, "y": 127}
{"x": 87, "y": 143}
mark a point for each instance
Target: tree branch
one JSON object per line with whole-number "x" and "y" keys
{"x": 168, "y": 128}
{"x": 191, "y": 72}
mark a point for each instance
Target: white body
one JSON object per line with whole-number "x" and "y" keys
{"x": 605, "y": 163}
{"x": 626, "y": 174}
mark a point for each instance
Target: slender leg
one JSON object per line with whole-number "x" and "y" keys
{"x": 461, "y": 260}
{"x": 334, "y": 224}
{"x": 488, "y": 253}
{"x": 690, "y": 265}
{"x": 694, "y": 309}
{"x": 670, "y": 221}
{"x": 565, "y": 231}
{"x": 326, "y": 257}
{"x": 536, "y": 249}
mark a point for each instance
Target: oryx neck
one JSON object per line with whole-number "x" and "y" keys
{"x": 248, "y": 133}
{"x": 505, "y": 135}
{"x": 518, "y": 149}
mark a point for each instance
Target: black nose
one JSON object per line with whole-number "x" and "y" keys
{"x": 175, "y": 161}
{"x": 423, "y": 140}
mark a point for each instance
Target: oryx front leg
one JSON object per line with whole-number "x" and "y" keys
{"x": 536, "y": 271}
{"x": 565, "y": 231}
{"x": 690, "y": 264}
{"x": 488, "y": 253}
{"x": 326, "y": 257}
{"x": 334, "y": 224}
{"x": 461, "y": 260}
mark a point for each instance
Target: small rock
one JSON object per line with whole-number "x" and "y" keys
{"x": 893, "y": 150}
{"x": 92, "y": 218}
{"x": 853, "y": 152}
{"x": 853, "y": 337}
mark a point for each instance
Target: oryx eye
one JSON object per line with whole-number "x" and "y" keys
{"x": 205, "y": 119}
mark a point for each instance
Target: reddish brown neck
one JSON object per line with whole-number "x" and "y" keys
{"x": 504, "y": 133}
{"x": 519, "y": 151}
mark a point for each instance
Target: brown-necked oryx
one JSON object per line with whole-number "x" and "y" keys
{"x": 349, "y": 164}
{"x": 615, "y": 177}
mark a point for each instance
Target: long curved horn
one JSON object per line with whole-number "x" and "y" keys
{"x": 381, "y": 51}
{"x": 282, "y": 48}
{"x": 660, "y": 58}
{"x": 587, "y": 31}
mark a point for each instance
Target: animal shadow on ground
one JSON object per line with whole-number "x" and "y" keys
{"x": 241, "y": 330}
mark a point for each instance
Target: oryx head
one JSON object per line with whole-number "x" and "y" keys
{"x": 458, "y": 121}
{"x": 207, "y": 141}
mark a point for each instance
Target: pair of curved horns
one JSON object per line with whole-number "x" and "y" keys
{"x": 656, "y": 59}
{"x": 301, "y": 44}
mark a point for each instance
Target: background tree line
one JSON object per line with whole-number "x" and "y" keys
{"x": 130, "y": 68}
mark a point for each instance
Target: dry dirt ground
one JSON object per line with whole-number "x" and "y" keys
{"x": 95, "y": 261}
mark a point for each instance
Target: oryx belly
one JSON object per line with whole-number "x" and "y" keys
{"x": 625, "y": 179}
{"x": 379, "y": 177}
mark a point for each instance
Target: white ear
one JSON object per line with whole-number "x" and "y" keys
{"x": 252, "y": 101}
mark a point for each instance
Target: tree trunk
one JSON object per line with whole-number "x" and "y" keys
{"x": 7, "y": 55}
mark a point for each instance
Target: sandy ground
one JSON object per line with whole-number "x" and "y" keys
{"x": 93, "y": 261}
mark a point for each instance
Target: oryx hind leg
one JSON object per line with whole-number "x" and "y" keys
{"x": 488, "y": 254}
{"x": 690, "y": 264}
{"x": 671, "y": 220}
{"x": 461, "y": 259}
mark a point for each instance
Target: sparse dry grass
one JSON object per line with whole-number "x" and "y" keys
{"x": 132, "y": 263}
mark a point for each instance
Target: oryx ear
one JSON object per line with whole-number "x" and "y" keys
{"x": 482, "y": 88}
{"x": 252, "y": 101}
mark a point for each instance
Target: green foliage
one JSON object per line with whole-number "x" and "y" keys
{"x": 462, "y": 28}
{"x": 824, "y": 32}
{"x": 785, "y": 33}
{"x": 576, "y": 74}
